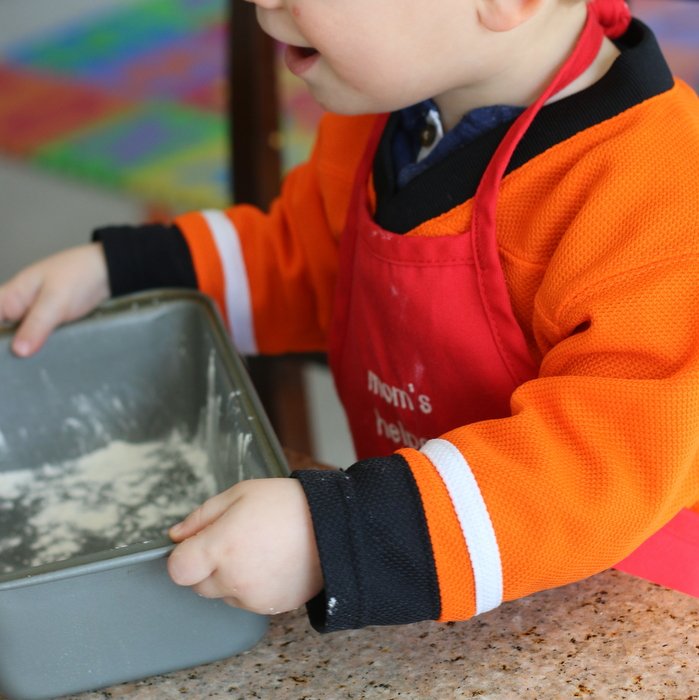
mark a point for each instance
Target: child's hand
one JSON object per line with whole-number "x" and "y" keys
{"x": 252, "y": 545}
{"x": 59, "y": 288}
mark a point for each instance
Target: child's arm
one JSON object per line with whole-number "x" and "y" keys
{"x": 599, "y": 453}
{"x": 60, "y": 288}
{"x": 273, "y": 273}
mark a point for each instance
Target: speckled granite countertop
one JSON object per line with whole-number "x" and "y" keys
{"x": 611, "y": 637}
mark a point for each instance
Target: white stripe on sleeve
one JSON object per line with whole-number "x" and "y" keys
{"x": 235, "y": 280}
{"x": 474, "y": 519}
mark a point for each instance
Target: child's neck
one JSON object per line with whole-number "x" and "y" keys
{"x": 534, "y": 52}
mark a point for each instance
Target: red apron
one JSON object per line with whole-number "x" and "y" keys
{"x": 424, "y": 338}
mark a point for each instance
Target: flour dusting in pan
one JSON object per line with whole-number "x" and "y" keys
{"x": 119, "y": 495}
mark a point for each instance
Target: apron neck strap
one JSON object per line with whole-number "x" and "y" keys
{"x": 582, "y": 56}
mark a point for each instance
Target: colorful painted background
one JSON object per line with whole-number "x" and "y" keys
{"x": 135, "y": 99}
{"x": 676, "y": 24}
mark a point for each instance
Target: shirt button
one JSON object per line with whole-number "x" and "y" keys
{"x": 428, "y": 134}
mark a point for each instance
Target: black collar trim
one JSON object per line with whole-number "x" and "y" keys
{"x": 639, "y": 73}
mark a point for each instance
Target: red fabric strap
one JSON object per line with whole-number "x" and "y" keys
{"x": 613, "y": 15}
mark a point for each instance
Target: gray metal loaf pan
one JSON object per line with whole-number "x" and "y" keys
{"x": 135, "y": 371}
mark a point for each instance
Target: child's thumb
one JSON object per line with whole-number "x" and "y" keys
{"x": 190, "y": 563}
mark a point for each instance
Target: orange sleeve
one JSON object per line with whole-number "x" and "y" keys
{"x": 601, "y": 449}
{"x": 276, "y": 270}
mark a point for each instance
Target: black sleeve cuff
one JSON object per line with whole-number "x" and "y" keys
{"x": 374, "y": 546}
{"x": 144, "y": 257}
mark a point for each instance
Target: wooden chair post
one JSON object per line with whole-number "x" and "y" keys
{"x": 256, "y": 168}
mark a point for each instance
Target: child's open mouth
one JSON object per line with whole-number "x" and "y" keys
{"x": 300, "y": 58}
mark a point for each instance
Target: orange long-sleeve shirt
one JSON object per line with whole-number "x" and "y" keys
{"x": 599, "y": 246}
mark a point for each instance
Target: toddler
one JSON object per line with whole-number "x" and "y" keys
{"x": 495, "y": 240}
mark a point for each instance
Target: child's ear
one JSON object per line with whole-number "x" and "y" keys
{"x": 503, "y": 15}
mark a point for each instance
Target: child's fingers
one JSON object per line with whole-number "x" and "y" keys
{"x": 5, "y": 304}
{"x": 44, "y": 315}
{"x": 17, "y": 296}
{"x": 199, "y": 518}
{"x": 197, "y": 561}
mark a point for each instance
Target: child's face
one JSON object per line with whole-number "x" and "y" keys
{"x": 361, "y": 56}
